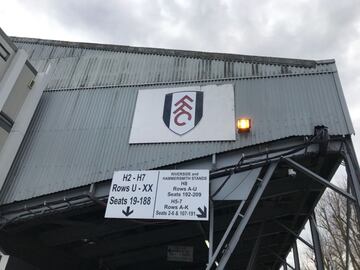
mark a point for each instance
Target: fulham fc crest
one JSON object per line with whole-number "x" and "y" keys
{"x": 183, "y": 110}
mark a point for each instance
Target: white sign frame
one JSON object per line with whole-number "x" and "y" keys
{"x": 164, "y": 194}
{"x": 217, "y": 122}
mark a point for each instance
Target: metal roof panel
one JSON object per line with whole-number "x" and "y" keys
{"x": 79, "y": 137}
{"x": 91, "y": 67}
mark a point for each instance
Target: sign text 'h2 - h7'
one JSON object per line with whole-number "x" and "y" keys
{"x": 166, "y": 194}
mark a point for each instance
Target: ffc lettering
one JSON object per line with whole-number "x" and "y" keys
{"x": 183, "y": 111}
{"x": 182, "y": 104}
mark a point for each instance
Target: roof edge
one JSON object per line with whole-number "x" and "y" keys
{"x": 326, "y": 61}
{"x": 171, "y": 52}
{"x": 12, "y": 45}
{"x": 8, "y": 40}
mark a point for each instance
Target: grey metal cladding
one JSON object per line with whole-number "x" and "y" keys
{"x": 74, "y": 68}
{"x": 80, "y": 136}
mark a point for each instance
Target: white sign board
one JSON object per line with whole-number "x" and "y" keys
{"x": 184, "y": 114}
{"x": 167, "y": 194}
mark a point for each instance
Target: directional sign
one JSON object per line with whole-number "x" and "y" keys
{"x": 183, "y": 195}
{"x": 167, "y": 194}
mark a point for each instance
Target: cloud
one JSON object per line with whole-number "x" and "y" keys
{"x": 289, "y": 28}
{"x": 306, "y": 29}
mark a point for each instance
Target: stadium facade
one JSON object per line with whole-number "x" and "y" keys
{"x": 71, "y": 116}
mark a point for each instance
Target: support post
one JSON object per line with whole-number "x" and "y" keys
{"x": 296, "y": 256}
{"x": 211, "y": 228}
{"x": 22, "y": 121}
{"x": 223, "y": 239}
{"x": 255, "y": 249}
{"x": 353, "y": 171}
{"x": 11, "y": 75}
{"x": 239, "y": 230}
{"x": 348, "y": 215}
{"x": 317, "y": 245}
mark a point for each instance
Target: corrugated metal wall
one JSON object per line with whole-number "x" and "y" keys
{"x": 79, "y": 137}
{"x": 74, "y": 68}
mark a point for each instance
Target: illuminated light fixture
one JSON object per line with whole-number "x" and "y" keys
{"x": 243, "y": 125}
{"x": 207, "y": 243}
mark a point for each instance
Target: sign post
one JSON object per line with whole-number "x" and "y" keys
{"x": 166, "y": 194}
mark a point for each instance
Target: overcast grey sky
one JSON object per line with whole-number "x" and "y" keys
{"x": 309, "y": 29}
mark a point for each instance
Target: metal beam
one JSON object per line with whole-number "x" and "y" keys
{"x": 255, "y": 250}
{"x": 347, "y": 240}
{"x": 223, "y": 239}
{"x": 317, "y": 178}
{"x": 294, "y": 234}
{"x": 211, "y": 228}
{"x": 285, "y": 263}
{"x": 319, "y": 260}
{"x": 355, "y": 166}
{"x": 239, "y": 230}
{"x": 296, "y": 256}
{"x": 353, "y": 171}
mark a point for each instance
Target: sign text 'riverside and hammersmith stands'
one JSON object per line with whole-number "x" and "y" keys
{"x": 166, "y": 194}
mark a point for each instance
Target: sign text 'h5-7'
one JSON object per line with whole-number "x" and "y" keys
{"x": 166, "y": 194}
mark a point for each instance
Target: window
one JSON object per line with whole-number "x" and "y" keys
{"x": 4, "y": 53}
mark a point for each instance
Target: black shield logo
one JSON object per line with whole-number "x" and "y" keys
{"x": 183, "y": 110}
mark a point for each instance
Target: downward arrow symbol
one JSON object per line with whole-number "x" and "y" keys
{"x": 128, "y": 212}
{"x": 202, "y": 213}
